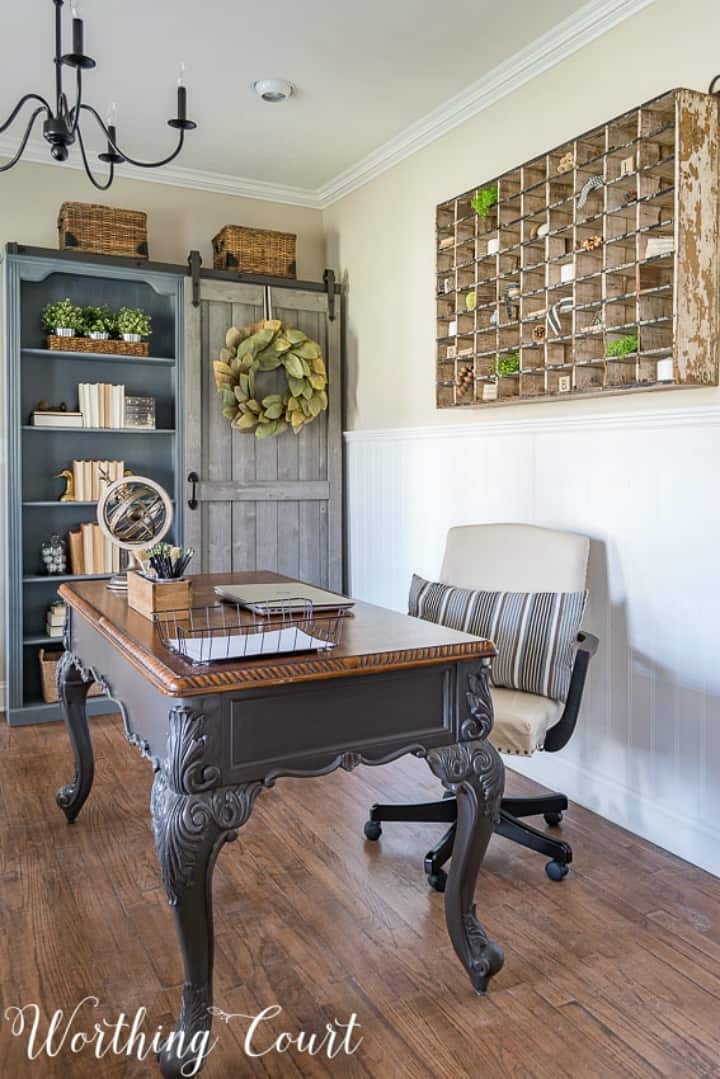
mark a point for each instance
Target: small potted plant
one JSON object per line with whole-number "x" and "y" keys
{"x": 133, "y": 323}
{"x": 100, "y": 322}
{"x": 63, "y": 318}
{"x": 623, "y": 346}
{"x": 509, "y": 364}
{"x": 483, "y": 201}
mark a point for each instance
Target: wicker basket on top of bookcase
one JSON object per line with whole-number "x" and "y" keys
{"x": 595, "y": 271}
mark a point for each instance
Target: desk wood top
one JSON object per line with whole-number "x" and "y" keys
{"x": 373, "y": 640}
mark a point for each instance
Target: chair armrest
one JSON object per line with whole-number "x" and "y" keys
{"x": 587, "y": 642}
{"x": 558, "y": 736}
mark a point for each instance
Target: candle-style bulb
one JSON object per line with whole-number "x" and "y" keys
{"x": 75, "y": 9}
{"x": 111, "y": 117}
{"x": 181, "y": 74}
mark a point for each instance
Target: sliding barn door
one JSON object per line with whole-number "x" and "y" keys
{"x": 273, "y": 503}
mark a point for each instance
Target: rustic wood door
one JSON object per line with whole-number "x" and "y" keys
{"x": 273, "y": 503}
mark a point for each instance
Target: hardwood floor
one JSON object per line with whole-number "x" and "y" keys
{"x": 614, "y": 972}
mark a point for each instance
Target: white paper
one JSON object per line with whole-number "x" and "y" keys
{"x": 246, "y": 645}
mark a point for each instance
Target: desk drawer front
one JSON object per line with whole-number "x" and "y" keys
{"x": 374, "y": 714}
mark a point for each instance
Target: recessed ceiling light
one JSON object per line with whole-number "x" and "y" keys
{"x": 273, "y": 90}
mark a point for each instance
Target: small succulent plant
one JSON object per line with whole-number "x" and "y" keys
{"x": 624, "y": 346}
{"x": 133, "y": 320}
{"x": 63, "y": 314}
{"x": 483, "y": 200}
{"x": 99, "y": 320}
{"x": 508, "y": 365}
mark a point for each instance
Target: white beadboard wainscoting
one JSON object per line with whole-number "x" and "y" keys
{"x": 643, "y": 486}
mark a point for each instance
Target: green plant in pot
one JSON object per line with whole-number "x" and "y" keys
{"x": 508, "y": 365}
{"x": 623, "y": 346}
{"x": 63, "y": 318}
{"x": 99, "y": 322}
{"x": 483, "y": 200}
{"x": 133, "y": 323}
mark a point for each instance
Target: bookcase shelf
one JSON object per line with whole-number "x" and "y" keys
{"x": 33, "y": 509}
{"x": 102, "y": 430}
{"x": 58, "y": 578}
{"x": 99, "y": 357}
{"x": 597, "y": 262}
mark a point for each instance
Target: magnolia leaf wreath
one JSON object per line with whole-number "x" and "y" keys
{"x": 265, "y": 346}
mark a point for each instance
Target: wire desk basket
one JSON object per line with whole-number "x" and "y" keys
{"x": 223, "y": 632}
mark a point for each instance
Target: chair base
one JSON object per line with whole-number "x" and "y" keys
{"x": 510, "y": 825}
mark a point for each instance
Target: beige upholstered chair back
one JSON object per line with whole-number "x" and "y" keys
{"x": 515, "y": 558}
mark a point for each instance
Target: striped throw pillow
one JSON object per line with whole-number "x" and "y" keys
{"x": 534, "y": 632}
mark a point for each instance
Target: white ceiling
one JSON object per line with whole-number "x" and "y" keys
{"x": 365, "y": 72}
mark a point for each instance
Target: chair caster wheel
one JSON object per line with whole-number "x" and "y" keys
{"x": 553, "y": 818}
{"x": 438, "y": 880}
{"x": 372, "y": 829}
{"x": 556, "y": 870}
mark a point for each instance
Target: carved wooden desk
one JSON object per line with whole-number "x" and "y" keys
{"x": 217, "y": 735}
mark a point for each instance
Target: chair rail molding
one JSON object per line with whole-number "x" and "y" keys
{"x": 639, "y": 482}
{"x": 692, "y": 416}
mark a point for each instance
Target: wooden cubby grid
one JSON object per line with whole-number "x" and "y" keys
{"x": 658, "y": 167}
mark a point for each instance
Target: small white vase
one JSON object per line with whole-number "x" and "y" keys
{"x": 132, "y": 337}
{"x": 665, "y": 370}
{"x": 63, "y": 331}
{"x": 98, "y": 336}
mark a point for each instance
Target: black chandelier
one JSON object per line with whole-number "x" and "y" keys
{"x": 61, "y": 127}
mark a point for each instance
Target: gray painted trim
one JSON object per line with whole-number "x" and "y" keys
{"x": 52, "y": 713}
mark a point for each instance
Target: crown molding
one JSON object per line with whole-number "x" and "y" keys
{"x": 591, "y": 21}
{"x": 588, "y": 23}
{"x": 634, "y": 419}
{"x": 220, "y": 183}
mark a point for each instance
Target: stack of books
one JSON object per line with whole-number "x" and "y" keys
{"x": 88, "y": 478}
{"x": 55, "y": 619}
{"x": 101, "y": 404}
{"x": 53, "y": 417}
{"x": 92, "y": 552}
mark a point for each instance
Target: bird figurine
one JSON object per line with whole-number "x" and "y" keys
{"x": 68, "y": 494}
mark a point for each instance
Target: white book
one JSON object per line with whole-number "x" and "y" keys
{"x": 57, "y": 419}
{"x": 122, "y": 406}
{"x": 94, "y": 405}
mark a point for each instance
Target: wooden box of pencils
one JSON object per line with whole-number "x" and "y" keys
{"x": 150, "y": 597}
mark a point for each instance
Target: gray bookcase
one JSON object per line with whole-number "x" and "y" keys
{"x": 34, "y": 454}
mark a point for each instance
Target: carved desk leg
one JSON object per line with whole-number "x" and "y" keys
{"x": 192, "y": 818}
{"x": 475, "y": 774}
{"x": 73, "y": 685}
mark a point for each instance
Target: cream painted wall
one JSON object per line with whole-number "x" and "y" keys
{"x": 634, "y": 473}
{"x": 382, "y": 235}
{"x": 179, "y": 218}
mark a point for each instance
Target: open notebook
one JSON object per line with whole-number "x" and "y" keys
{"x": 272, "y": 598}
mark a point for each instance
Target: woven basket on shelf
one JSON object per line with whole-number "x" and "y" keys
{"x": 48, "y": 675}
{"x": 88, "y": 344}
{"x": 258, "y": 251}
{"x": 107, "y": 230}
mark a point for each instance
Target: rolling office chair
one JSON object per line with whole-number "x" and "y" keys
{"x": 512, "y": 558}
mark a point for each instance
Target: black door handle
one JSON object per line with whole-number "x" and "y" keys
{"x": 194, "y": 479}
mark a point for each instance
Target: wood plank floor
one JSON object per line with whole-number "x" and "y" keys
{"x": 613, "y": 973}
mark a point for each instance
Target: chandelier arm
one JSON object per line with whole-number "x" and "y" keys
{"x": 21, "y": 102}
{"x": 130, "y": 160}
{"x": 86, "y": 163}
{"x": 31, "y": 122}
{"x": 75, "y": 112}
